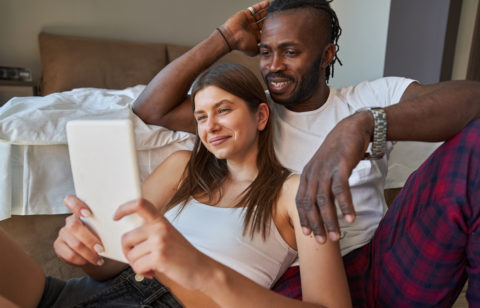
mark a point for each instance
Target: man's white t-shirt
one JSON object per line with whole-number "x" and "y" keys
{"x": 298, "y": 135}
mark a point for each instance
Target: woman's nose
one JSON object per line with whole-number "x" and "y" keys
{"x": 212, "y": 124}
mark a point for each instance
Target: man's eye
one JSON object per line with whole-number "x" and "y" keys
{"x": 290, "y": 52}
{"x": 200, "y": 118}
{"x": 264, "y": 52}
{"x": 223, "y": 110}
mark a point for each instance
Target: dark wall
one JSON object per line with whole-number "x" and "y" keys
{"x": 421, "y": 39}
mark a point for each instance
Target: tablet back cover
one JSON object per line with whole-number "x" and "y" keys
{"x": 105, "y": 175}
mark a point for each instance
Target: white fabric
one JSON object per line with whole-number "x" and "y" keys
{"x": 218, "y": 233}
{"x": 35, "y": 173}
{"x": 299, "y": 134}
{"x": 405, "y": 158}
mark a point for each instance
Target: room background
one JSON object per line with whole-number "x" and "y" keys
{"x": 186, "y": 22}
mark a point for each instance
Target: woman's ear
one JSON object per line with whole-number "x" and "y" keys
{"x": 263, "y": 113}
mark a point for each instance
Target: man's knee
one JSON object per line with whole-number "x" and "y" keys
{"x": 468, "y": 138}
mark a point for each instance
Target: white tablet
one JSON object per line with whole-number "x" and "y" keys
{"x": 105, "y": 175}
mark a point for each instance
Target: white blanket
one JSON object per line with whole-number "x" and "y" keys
{"x": 35, "y": 172}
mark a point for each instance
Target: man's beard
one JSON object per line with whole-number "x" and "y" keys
{"x": 305, "y": 90}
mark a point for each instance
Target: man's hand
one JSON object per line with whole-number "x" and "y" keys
{"x": 324, "y": 179}
{"x": 242, "y": 30}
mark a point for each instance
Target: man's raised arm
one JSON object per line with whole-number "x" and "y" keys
{"x": 165, "y": 100}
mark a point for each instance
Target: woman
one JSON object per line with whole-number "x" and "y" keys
{"x": 220, "y": 222}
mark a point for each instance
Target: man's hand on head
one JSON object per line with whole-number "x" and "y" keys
{"x": 324, "y": 179}
{"x": 242, "y": 30}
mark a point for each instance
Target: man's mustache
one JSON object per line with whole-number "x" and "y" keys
{"x": 277, "y": 75}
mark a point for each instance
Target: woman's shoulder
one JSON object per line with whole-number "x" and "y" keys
{"x": 177, "y": 159}
{"x": 180, "y": 156}
{"x": 286, "y": 199}
{"x": 173, "y": 164}
{"x": 290, "y": 186}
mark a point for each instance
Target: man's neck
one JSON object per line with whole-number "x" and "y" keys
{"x": 317, "y": 100}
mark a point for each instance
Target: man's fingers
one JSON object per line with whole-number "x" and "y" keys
{"x": 302, "y": 214}
{"x": 260, "y": 26}
{"x": 260, "y": 12}
{"x": 306, "y": 201}
{"x": 316, "y": 223}
{"x": 343, "y": 195}
{"x": 260, "y": 7}
{"x": 326, "y": 205}
{"x": 310, "y": 205}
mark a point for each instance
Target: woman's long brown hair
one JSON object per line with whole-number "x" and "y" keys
{"x": 204, "y": 173}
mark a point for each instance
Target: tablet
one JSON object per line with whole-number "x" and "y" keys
{"x": 105, "y": 175}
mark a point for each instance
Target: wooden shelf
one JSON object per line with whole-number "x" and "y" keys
{"x": 14, "y": 88}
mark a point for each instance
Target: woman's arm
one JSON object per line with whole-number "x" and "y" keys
{"x": 79, "y": 246}
{"x": 321, "y": 266}
{"x": 323, "y": 277}
{"x": 164, "y": 181}
{"x": 158, "y": 249}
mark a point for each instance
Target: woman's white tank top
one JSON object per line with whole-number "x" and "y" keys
{"x": 218, "y": 233}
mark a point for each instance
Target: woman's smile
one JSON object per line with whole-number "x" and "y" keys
{"x": 218, "y": 140}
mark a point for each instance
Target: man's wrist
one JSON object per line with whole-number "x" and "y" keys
{"x": 220, "y": 31}
{"x": 365, "y": 118}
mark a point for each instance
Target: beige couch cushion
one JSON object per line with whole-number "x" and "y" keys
{"x": 73, "y": 62}
{"x": 175, "y": 51}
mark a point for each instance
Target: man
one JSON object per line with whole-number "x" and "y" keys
{"x": 420, "y": 250}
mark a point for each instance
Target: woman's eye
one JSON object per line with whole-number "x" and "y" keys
{"x": 199, "y": 118}
{"x": 223, "y": 110}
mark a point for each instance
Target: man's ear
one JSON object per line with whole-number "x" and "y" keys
{"x": 328, "y": 55}
{"x": 263, "y": 113}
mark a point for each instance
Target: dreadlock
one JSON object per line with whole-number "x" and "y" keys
{"x": 324, "y": 5}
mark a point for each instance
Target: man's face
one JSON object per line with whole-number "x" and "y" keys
{"x": 291, "y": 51}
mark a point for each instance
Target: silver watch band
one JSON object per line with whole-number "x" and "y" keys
{"x": 379, "y": 142}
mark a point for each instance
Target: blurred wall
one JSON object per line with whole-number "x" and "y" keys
{"x": 184, "y": 22}
{"x": 362, "y": 44}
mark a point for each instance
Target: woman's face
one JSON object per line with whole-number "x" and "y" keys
{"x": 225, "y": 125}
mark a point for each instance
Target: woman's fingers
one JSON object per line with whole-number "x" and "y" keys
{"x": 73, "y": 251}
{"x": 77, "y": 206}
{"x": 143, "y": 266}
{"x": 80, "y": 240}
{"x": 69, "y": 256}
{"x": 138, "y": 251}
{"x": 148, "y": 237}
{"x": 142, "y": 207}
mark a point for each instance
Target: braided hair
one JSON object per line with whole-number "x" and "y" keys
{"x": 324, "y": 5}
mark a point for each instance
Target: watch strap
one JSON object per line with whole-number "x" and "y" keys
{"x": 379, "y": 140}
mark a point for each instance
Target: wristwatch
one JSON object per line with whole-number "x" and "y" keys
{"x": 379, "y": 140}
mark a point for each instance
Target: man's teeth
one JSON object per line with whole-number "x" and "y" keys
{"x": 279, "y": 84}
